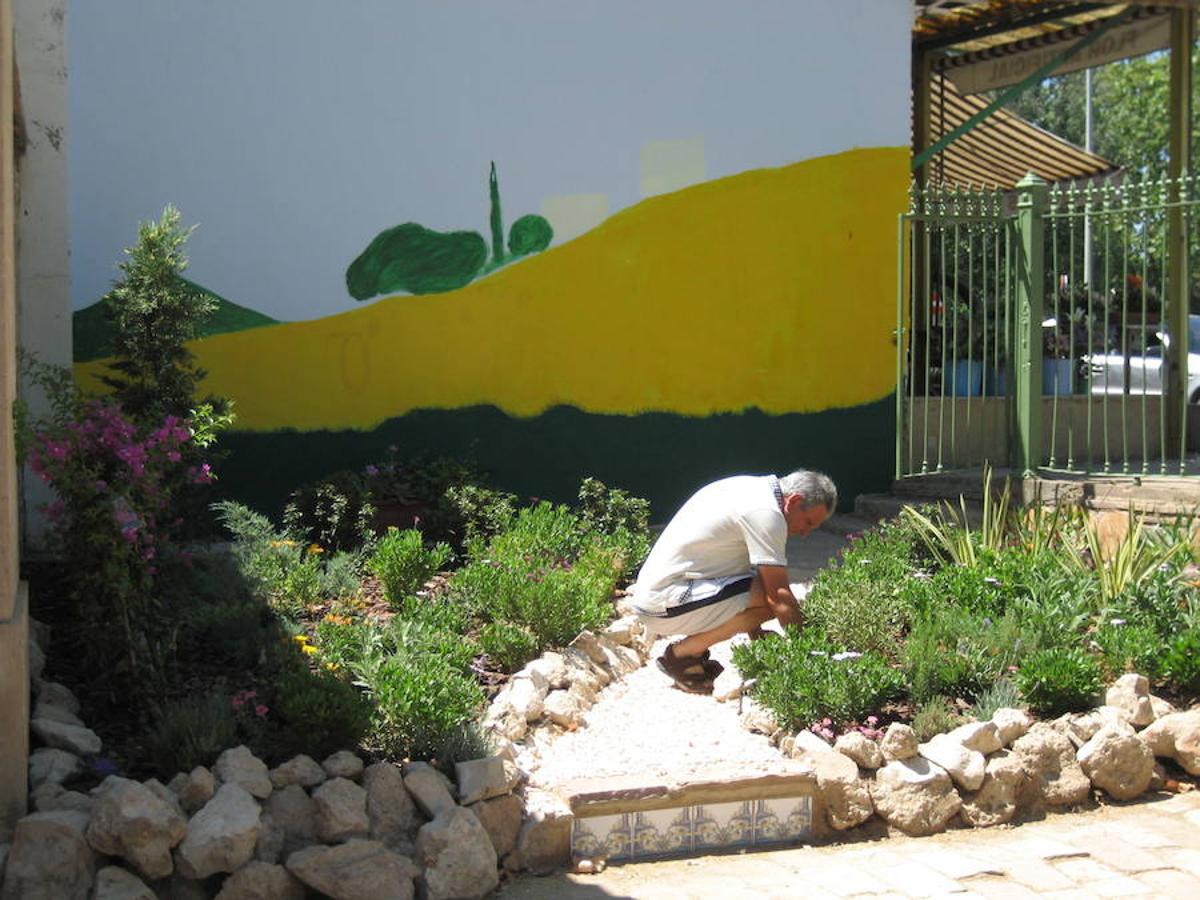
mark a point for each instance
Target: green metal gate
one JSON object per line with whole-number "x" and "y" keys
{"x": 1035, "y": 328}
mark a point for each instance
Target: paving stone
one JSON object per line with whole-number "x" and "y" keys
{"x": 1043, "y": 848}
{"x": 1122, "y": 886}
{"x": 843, "y": 880}
{"x": 956, "y": 864}
{"x": 999, "y": 888}
{"x": 1084, "y": 871}
{"x": 1171, "y": 882}
{"x": 917, "y": 880}
{"x": 1186, "y": 859}
{"x": 1038, "y": 875}
{"x": 1119, "y": 854}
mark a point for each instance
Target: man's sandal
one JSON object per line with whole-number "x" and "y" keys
{"x": 694, "y": 674}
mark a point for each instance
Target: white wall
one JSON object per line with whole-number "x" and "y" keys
{"x": 295, "y": 130}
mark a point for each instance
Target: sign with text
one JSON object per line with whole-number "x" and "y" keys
{"x": 997, "y": 71}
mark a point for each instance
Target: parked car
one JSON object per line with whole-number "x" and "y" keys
{"x": 1107, "y": 370}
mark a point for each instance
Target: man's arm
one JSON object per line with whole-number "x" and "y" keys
{"x": 778, "y": 594}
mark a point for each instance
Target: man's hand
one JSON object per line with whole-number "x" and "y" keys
{"x": 780, "y": 599}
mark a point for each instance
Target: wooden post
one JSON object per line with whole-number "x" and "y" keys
{"x": 14, "y": 617}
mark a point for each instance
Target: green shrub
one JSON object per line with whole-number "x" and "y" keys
{"x": 861, "y": 602}
{"x": 317, "y": 713}
{"x": 1001, "y": 695}
{"x": 191, "y": 732}
{"x": 507, "y": 645}
{"x": 959, "y": 653}
{"x": 805, "y": 677}
{"x": 469, "y": 741}
{"x": 342, "y": 641}
{"x": 334, "y": 513}
{"x": 623, "y": 518}
{"x": 1181, "y": 662}
{"x": 936, "y": 715}
{"x": 1128, "y": 648}
{"x": 403, "y": 563}
{"x": 480, "y": 513}
{"x": 421, "y": 702}
{"x": 1059, "y": 680}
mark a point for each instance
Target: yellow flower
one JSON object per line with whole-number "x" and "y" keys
{"x": 301, "y": 639}
{"x": 315, "y": 548}
{"x": 309, "y": 649}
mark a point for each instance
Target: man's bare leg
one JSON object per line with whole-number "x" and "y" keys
{"x": 748, "y": 621}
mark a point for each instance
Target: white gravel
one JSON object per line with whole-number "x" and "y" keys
{"x": 644, "y": 726}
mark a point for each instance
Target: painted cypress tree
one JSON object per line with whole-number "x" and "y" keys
{"x": 497, "y": 220}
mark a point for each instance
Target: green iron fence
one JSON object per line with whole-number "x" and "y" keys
{"x": 1034, "y": 328}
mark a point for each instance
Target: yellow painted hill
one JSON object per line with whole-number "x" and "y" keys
{"x": 772, "y": 289}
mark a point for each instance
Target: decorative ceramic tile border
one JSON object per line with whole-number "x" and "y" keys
{"x": 682, "y": 830}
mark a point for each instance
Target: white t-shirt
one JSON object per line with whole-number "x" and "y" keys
{"x": 725, "y": 528}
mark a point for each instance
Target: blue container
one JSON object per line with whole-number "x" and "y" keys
{"x": 965, "y": 379}
{"x": 1057, "y": 377}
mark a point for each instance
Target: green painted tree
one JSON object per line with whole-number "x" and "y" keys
{"x": 529, "y": 234}
{"x": 416, "y": 259}
{"x": 496, "y": 219}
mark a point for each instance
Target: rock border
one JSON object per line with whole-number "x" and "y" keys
{"x": 982, "y": 774}
{"x": 339, "y": 827}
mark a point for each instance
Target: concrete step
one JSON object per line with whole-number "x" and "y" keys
{"x": 626, "y": 818}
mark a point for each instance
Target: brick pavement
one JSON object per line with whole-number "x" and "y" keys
{"x": 1148, "y": 848}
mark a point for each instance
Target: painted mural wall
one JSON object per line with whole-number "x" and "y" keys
{"x": 650, "y": 242}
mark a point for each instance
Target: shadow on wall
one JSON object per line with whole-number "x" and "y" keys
{"x": 660, "y": 456}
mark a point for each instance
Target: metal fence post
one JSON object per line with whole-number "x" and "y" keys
{"x": 1027, "y": 339}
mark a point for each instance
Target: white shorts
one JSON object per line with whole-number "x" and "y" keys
{"x": 705, "y": 604}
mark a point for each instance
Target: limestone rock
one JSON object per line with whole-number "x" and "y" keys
{"x": 860, "y": 748}
{"x": 427, "y": 788}
{"x": 915, "y": 796}
{"x": 456, "y": 855}
{"x": 983, "y": 737}
{"x": 37, "y": 661}
{"x": 241, "y": 767}
{"x": 55, "y": 694}
{"x": 221, "y": 837}
{"x": 164, "y": 793}
{"x": 302, "y": 770}
{"x": 342, "y": 764}
{"x": 481, "y": 779}
{"x": 996, "y": 800}
{"x": 552, "y": 668}
{"x": 524, "y": 696}
{"x": 50, "y": 859}
{"x": 622, "y": 631}
{"x": 1118, "y": 763}
{"x": 1176, "y": 736}
{"x": 261, "y": 881}
{"x": 587, "y": 642}
{"x": 392, "y": 815}
{"x": 49, "y": 765}
{"x": 564, "y": 708}
{"x": 965, "y": 766}
{"x": 1131, "y": 693}
{"x": 1161, "y": 707}
{"x": 899, "y": 742}
{"x": 341, "y": 808}
{"x": 501, "y": 819}
{"x": 44, "y": 710}
{"x": 1158, "y": 778}
{"x": 288, "y": 824}
{"x": 757, "y": 718}
{"x": 72, "y": 738}
{"x": 1048, "y": 758}
{"x": 197, "y": 788}
{"x": 354, "y": 870}
{"x": 1011, "y": 724}
{"x": 115, "y": 883}
{"x": 544, "y": 841}
{"x": 133, "y": 822}
{"x": 49, "y": 797}
{"x": 847, "y": 798}
{"x": 805, "y": 742}
{"x": 504, "y": 723}
{"x": 1080, "y": 727}
{"x": 580, "y": 666}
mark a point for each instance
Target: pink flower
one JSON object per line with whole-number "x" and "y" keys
{"x": 261, "y": 711}
{"x": 237, "y": 702}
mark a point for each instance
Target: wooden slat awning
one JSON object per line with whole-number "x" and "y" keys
{"x": 1001, "y": 150}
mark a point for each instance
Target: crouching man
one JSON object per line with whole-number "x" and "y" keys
{"x": 720, "y": 567}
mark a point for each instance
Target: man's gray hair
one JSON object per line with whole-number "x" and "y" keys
{"x": 816, "y": 488}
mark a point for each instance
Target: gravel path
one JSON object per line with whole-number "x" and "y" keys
{"x": 642, "y": 725}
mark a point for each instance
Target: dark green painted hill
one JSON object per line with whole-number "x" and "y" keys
{"x": 93, "y": 336}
